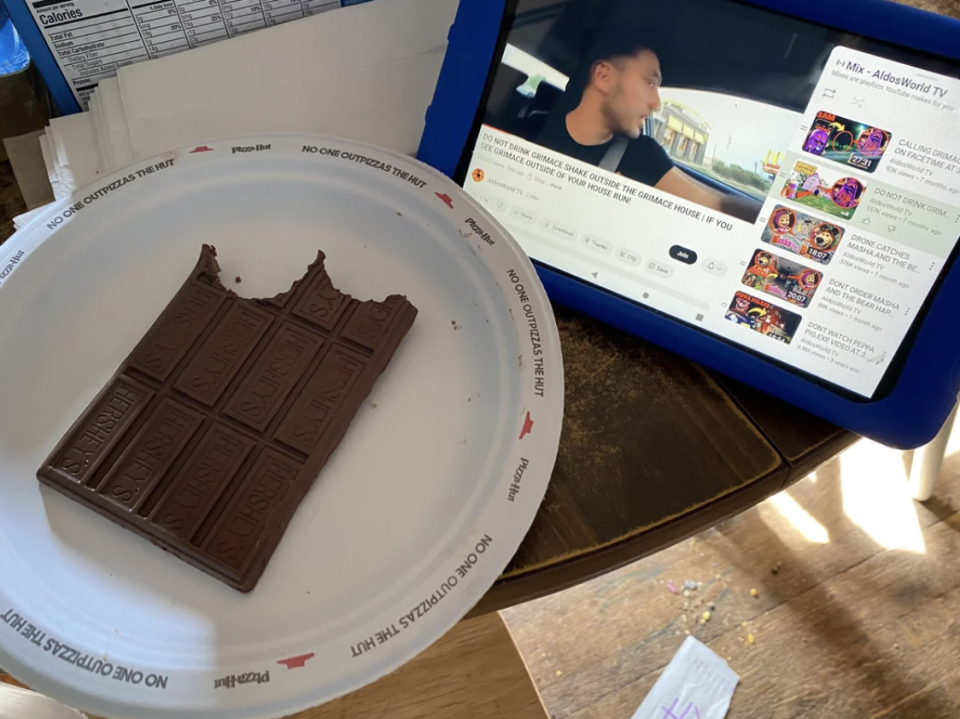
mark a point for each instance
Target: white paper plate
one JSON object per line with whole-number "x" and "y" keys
{"x": 412, "y": 520}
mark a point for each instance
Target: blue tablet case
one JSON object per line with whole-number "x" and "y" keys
{"x": 910, "y": 414}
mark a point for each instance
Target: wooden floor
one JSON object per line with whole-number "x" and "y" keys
{"x": 473, "y": 672}
{"x": 857, "y": 614}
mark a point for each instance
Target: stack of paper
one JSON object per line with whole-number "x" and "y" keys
{"x": 366, "y": 72}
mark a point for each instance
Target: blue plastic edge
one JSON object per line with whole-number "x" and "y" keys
{"x": 41, "y": 56}
{"x": 913, "y": 412}
{"x": 463, "y": 75}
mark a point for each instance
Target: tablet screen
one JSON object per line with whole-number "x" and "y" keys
{"x": 792, "y": 189}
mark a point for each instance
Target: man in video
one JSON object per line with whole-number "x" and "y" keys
{"x": 600, "y": 120}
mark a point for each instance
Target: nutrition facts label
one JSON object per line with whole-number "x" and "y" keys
{"x": 92, "y": 39}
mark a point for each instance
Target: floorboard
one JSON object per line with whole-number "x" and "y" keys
{"x": 858, "y": 594}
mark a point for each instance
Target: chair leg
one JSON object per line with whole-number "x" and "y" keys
{"x": 927, "y": 461}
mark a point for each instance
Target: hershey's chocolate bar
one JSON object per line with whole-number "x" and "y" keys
{"x": 215, "y": 427}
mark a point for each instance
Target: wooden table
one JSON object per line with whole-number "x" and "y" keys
{"x": 654, "y": 449}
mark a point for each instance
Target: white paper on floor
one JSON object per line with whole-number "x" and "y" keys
{"x": 697, "y": 684}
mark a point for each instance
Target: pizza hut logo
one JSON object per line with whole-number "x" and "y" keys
{"x": 527, "y": 426}
{"x": 296, "y": 662}
{"x": 445, "y": 199}
{"x": 201, "y": 148}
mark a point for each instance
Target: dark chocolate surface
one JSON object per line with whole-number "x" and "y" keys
{"x": 215, "y": 427}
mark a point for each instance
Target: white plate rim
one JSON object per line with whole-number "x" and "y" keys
{"x": 535, "y": 434}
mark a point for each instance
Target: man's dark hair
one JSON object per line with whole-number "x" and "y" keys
{"x": 610, "y": 46}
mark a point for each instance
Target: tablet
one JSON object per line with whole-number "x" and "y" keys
{"x": 771, "y": 188}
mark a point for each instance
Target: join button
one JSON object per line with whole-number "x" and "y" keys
{"x": 682, "y": 254}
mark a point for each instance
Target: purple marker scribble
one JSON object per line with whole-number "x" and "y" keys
{"x": 697, "y": 684}
{"x": 668, "y": 713}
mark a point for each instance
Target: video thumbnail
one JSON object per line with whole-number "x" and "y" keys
{"x": 846, "y": 141}
{"x": 782, "y": 278}
{"x": 802, "y": 234}
{"x": 763, "y": 317}
{"x": 824, "y": 190}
